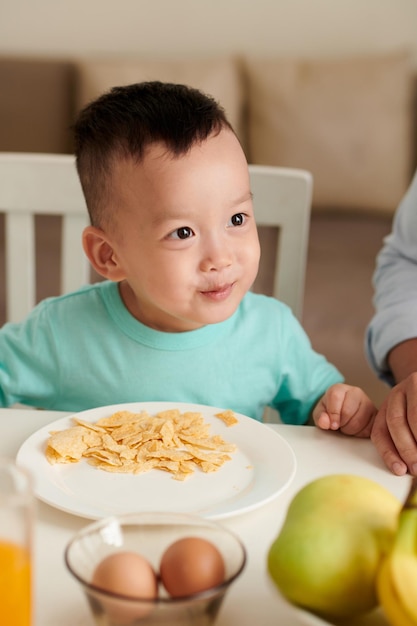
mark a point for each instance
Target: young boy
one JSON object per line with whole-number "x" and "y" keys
{"x": 173, "y": 231}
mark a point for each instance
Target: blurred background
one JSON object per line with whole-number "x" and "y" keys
{"x": 167, "y": 28}
{"x": 326, "y": 85}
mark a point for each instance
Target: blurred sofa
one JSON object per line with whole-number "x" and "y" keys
{"x": 350, "y": 121}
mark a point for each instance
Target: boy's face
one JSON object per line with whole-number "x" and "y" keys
{"x": 184, "y": 234}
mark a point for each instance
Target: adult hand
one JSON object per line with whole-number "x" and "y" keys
{"x": 394, "y": 431}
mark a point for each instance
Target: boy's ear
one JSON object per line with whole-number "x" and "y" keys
{"x": 101, "y": 255}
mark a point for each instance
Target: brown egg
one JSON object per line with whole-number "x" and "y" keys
{"x": 190, "y": 565}
{"x": 128, "y": 574}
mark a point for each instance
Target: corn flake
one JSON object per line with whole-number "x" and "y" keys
{"x": 228, "y": 417}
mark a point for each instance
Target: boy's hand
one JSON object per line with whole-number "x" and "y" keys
{"x": 347, "y": 409}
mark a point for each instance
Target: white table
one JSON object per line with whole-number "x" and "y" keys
{"x": 252, "y": 601}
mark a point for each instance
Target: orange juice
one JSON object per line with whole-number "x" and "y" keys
{"x": 15, "y": 585}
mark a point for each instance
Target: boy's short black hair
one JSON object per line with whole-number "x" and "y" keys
{"x": 123, "y": 122}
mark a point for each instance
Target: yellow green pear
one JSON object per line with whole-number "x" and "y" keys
{"x": 336, "y": 532}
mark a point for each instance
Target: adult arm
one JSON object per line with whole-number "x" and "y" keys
{"x": 395, "y": 296}
{"x": 392, "y": 339}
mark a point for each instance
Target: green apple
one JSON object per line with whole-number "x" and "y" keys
{"x": 336, "y": 532}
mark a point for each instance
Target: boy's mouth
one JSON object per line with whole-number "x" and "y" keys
{"x": 220, "y": 292}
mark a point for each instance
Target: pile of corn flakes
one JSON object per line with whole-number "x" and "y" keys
{"x": 127, "y": 442}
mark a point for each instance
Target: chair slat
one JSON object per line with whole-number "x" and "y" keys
{"x": 20, "y": 265}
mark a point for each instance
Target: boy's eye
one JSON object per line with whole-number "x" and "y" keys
{"x": 182, "y": 233}
{"x": 238, "y": 219}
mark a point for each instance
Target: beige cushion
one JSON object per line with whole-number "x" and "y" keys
{"x": 220, "y": 78}
{"x": 35, "y": 104}
{"x": 348, "y": 121}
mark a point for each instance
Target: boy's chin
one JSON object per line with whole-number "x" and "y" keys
{"x": 219, "y": 316}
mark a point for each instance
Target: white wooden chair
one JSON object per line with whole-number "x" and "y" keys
{"x": 46, "y": 184}
{"x": 39, "y": 184}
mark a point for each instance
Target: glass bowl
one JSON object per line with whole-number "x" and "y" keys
{"x": 150, "y": 534}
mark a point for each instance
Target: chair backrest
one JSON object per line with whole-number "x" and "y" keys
{"x": 40, "y": 184}
{"x": 282, "y": 198}
{"x": 47, "y": 184}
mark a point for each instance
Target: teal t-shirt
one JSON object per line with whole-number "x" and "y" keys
{"x": 84, "y": 349}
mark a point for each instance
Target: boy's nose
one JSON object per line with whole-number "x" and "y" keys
{"x": 217, "y": 257}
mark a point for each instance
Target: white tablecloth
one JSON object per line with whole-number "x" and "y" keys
{"x": 253, "y": 600}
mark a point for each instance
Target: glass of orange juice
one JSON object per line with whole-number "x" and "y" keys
{"x": 16, "y": 525}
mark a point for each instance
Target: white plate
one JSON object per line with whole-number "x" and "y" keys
{"x": 263, "y": 466}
